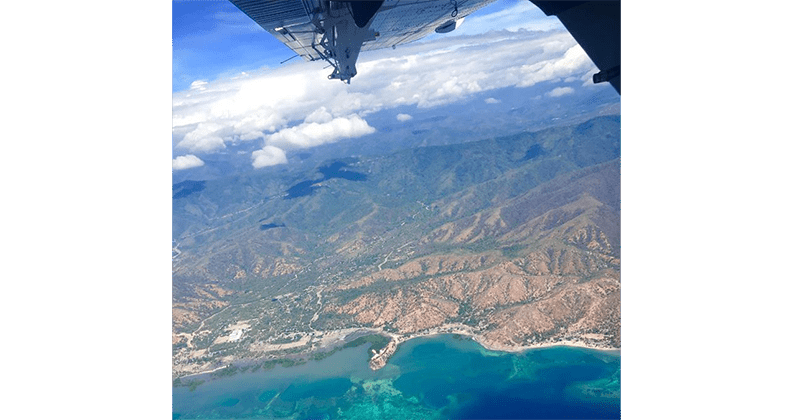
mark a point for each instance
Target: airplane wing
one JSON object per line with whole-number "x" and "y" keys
{"x": 338, "y": 31}
{"x": 407, "y": 21}
{"x": 596, "y": 26}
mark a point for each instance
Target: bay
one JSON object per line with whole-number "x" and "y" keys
{"x": 440, "y": 377}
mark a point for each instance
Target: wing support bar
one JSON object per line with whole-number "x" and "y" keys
{"x": 341, "y": 37}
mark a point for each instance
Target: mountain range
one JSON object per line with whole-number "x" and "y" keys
{"x": 515, "y": 239}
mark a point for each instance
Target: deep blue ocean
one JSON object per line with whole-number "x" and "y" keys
{"x": 441, "y": 377}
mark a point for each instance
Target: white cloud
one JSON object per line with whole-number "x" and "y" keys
{"x": 296, "y": 106}
{"x": 492, "y": 101}
{"x": 187, "y": 162}
{"x": 574, "y": 61}
{"x": 320, "y": 116}
{"x": 198, "y": 85}
{"x": 318, "y": 130}
{"x": 404, "y": 117}
{"x": 204, "y": 138}
{"x": 268, "y": 156}
{"x": 560, "y": 91}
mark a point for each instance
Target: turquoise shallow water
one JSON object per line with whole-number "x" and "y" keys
{"x": 438, "y": 377}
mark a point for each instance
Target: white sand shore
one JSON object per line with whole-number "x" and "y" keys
{"x": 380, "y": 359}
{"x": 465, "y": 330}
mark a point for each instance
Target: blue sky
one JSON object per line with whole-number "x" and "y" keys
{"x": 230, "y": 90}
{"x": 212, "y": 39}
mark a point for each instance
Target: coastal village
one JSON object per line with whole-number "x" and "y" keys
{"x": 199, "y": 362}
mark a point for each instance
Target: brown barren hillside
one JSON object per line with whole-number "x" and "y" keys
{"x": 555, "y": 277}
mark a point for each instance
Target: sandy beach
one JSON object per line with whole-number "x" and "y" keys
{"x": 379, "y": 360}
{"x": 465, "y": 330}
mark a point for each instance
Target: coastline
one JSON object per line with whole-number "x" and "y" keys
{"x": 464, "y": 330}
{"x": 336, "y": 339}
